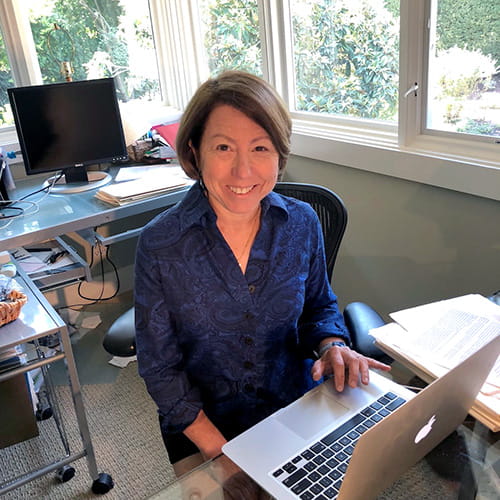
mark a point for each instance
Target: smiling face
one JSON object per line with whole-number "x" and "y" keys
{"x": 238, "y": 162}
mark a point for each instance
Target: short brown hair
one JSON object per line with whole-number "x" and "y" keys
{"x": 249, "y": 94}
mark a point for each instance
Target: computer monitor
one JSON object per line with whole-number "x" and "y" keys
{"x": 69, "y": 126}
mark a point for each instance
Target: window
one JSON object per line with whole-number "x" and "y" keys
{"x": 345, "y": 57}
{"x": 99, "y": 39}
{"x": 463, "y": 85}
{"x": 93, "y": 39}
{"x": 6, "y": 81}
{"x": 346, "y": 68}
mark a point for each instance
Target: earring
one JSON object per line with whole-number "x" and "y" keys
{"x": 202, "y": 184}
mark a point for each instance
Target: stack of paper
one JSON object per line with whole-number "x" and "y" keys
{"x": 432, "y": 338}
{"x": 138, "y": 183}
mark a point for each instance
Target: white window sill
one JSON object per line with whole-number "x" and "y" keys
{"x": 474, "y": 173}
{"x": 468, "y": 168}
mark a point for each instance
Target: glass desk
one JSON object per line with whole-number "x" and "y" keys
{"x": 59, "y": 214}
{"x": 465, "y": 466}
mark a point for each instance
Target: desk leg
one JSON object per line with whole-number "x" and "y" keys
{"x": 102, "y": 482}
{"x": 76, "y": 393}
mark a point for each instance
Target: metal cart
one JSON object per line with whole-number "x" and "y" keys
{"x": 37, "y": 320}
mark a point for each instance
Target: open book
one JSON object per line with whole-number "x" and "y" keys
{"x": 432, "y": 338}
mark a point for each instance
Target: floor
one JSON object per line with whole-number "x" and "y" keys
{"x": 88, "y": 330}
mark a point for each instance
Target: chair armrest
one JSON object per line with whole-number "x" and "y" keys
{"x": 359, "y": 319}
{"x": 119, "y": 340}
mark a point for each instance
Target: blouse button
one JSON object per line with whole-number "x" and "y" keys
{"x": 248, "y": 365}
{"x": 248, "y": 388}
{"x": 249, "y": 316}
{"x": 251, "y": 288}
{"x": 248, "y": 340}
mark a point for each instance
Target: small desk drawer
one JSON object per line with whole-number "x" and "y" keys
{"x": 67, "y": 269}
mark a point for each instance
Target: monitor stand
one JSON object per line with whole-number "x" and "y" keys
{"x": 95, "y": 179}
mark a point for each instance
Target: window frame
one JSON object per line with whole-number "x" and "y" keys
{"x": 406, "y": 150}
{"x": 21, "y": 52}
{"x": 431, "y": 8}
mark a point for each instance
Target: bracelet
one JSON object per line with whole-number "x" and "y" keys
{"x": 328, "y": 345}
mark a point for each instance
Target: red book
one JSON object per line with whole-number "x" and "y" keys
{"x": 168, "y": 132}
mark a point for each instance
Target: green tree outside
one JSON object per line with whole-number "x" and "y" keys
{"x": 470, "y": 24}
{"x": 232, "y": 36}
{"x": 347, "y": 63}
{"x": 93, "y": 37}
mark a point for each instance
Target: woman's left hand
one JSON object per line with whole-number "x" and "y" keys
{"x": 339, "y": 361}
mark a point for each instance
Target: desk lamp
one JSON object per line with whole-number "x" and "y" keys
{"x": 60, "y": 37}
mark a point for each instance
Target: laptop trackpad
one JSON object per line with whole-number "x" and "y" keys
{"x": 310, "y": 414}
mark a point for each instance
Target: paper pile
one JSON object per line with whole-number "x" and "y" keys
{"x": 432, "y": 338}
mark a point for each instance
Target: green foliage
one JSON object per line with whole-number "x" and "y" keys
{"x": 347, "y": 63}
{"x": 93, "y": 26}
{"x": 233, "y": 37}
{"x": 481, "y": 127}
{"x": 393, "y": 7}
{"x": 101, "y": 46}
{"x": 343, "y": 65}
{"x": 6, "y": 80}
{"x": 470, "y": 24}
{"x": 96, "y": 37}
{"x": 452, "y": 112}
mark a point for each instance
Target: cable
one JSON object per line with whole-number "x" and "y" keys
{"x": 95, "y": 300}
{"x": 10, "y": 207}
{"x": 100, "y": 298}
{"x": 47, "y": 188}
{"x": 33, "y": 204}
{"x": 23, "y": 212}
{"x": 7, "y": 224}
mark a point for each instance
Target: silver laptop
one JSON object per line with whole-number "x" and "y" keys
{"x": 352, "y": 445}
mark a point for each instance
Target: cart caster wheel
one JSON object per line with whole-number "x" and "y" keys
{"x": 102, "y": 484}
{"x": 65, "y": 473}
{"x": 43, "y": 413}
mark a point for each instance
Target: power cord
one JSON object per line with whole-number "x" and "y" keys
{"x": 10, "y": 204}
{"x": 20, "y": 212}
{"x": 100, "y": 298}
{"x": 47, "y": 188}
{"x": 102, "y": 259}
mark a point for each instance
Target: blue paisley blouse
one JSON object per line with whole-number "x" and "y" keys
{"x": 208, "y": 337}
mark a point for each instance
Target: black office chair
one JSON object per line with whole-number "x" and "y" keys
{"x": 359, "y": 317}
{"x": 331, "y": 212}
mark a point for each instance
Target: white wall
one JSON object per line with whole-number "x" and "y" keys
{"x": 407, "y": 243}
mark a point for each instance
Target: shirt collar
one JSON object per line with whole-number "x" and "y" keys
{"x": 194, "y": 208}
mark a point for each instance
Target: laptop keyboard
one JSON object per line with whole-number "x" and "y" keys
{"x": 317, "y": 472}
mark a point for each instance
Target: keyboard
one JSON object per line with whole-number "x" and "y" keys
{"x": 317, "y": 472}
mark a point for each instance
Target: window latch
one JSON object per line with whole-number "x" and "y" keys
{"x": 413, "y": 89}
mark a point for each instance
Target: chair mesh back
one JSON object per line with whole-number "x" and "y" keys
{"x": 331, "y": 212}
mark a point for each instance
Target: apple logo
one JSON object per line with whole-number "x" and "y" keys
{"x": 424, "y": 431}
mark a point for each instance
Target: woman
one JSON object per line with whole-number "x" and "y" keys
{"x": 232, "y": 296}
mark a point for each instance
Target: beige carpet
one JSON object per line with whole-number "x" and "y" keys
{"x": 126, "y": 439}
